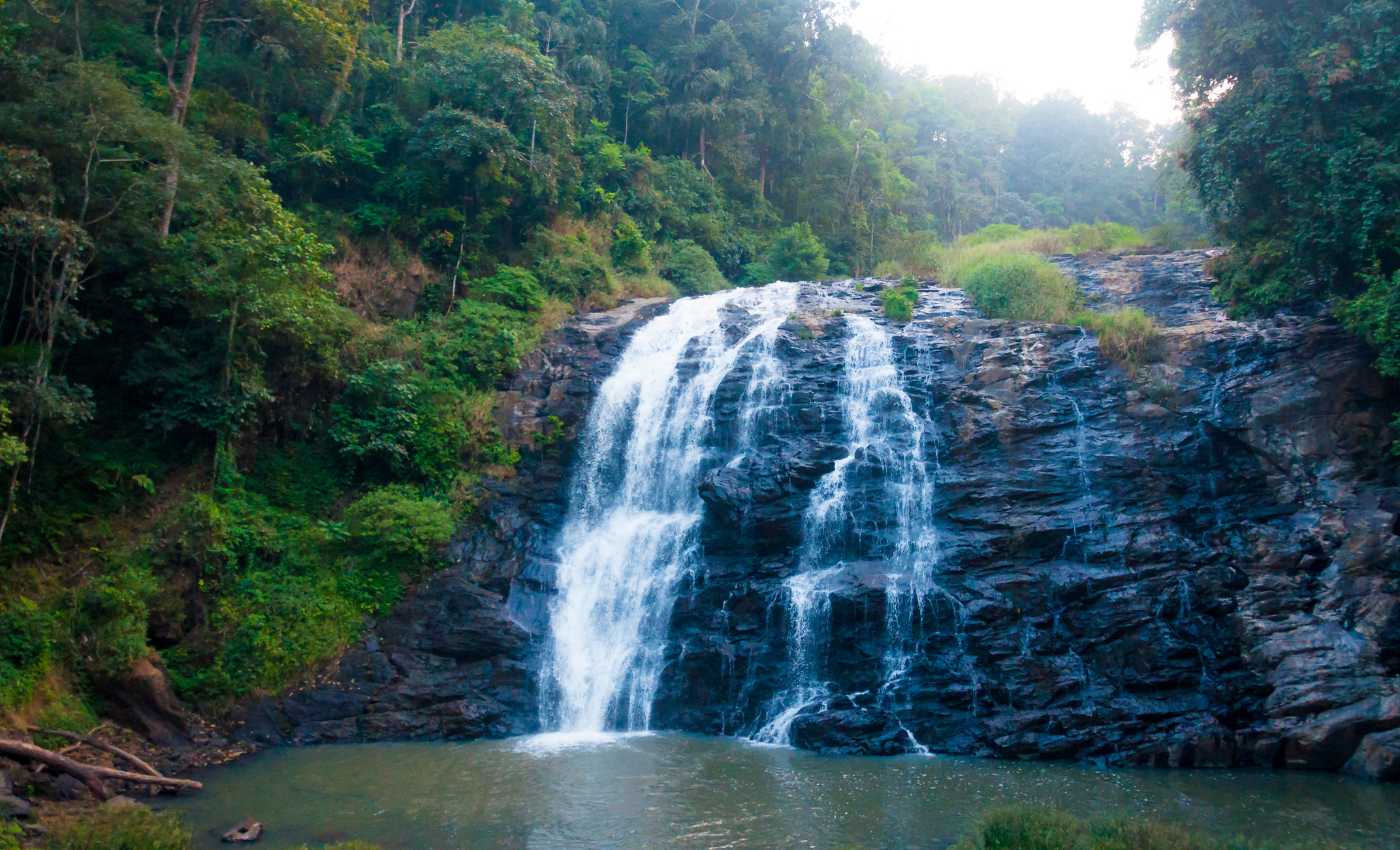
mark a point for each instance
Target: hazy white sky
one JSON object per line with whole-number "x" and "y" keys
{"x": 1029, "y": 47}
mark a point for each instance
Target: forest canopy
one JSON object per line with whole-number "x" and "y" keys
{"x": 267, "y": 260}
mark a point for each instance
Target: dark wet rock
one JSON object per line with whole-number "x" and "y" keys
{"x": 1377, "y": 757}
{"x": 14, "y": 807}
{"x": 144, "y": 700}
{"x": 1189, "y": 566}
{"x": 851, "y": 731}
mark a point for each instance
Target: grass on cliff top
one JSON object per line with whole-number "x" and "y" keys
{"x": 1024, "y": 828}
{"x": 1007, "y": 282}
{"x": 922, "y": 255}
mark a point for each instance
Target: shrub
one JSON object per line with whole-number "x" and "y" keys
{"x": 1016, "y": 285}
{"x": 26, "y": 649}
{"x": 1026, "y": 829}
{"x": 569, "y": 267}
{"x": 631, "y": 252}
{"x": 397, "y": 525}
{"x": 1126, "y": 335}
{"x": 692, "y": 269}
{"x": 265, "y": 628}
{"x": 900, "y": 301}
{"x": 1018, "y": 828}
{"x": 109, "y": 630}
{"x": 122, "y": 828}
{"x": 797, "y": 254}
{"x": 510, "y": 286}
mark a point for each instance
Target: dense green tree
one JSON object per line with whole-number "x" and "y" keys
{"x": 1294, "y": 110}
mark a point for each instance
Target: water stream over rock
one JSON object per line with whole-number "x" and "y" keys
{"x": 772, "y": 513}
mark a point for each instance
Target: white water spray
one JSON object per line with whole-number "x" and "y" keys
{"x": 635, "y": 509}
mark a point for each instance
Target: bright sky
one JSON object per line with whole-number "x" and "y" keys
{"x": 1031, "y": 48}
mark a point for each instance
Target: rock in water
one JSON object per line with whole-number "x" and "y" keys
{"x": 246, "y": 832}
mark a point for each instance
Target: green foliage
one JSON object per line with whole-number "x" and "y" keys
{"x": 569, "y": 267}
{"x": 691, "y": 268}
{"x": 797, "y": 254}
{"x": 109, "y": 627}
{"x": 899, "y": 301}
{"x": 1020, "y": 828}
{"x": 1127, "y": 335}
{"x": 1102, "y": 237}
{"x": 1010, "y": 284}
{"x": 237, "y": 383}
{"x": 630, "y": 250}
{"x": 397, "y": 525}
{"x": 510, "y": 286}
{"x": 132, "y": 827}
{"x": 1294, "y": 141}
{"x": 26, "y": 649}
{"x": 10, "y": 831}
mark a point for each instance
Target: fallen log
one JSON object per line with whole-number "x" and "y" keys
{"x": 21, "y": 751}
{"x": 89, "y": 774}
{"x": 96, "y": 744}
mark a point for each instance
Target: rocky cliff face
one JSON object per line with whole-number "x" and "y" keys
{"x": 1195, "y": 565}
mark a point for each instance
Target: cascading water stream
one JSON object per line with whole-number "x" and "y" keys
{"x": 883, "y": 430}
{"x": 635, "y": 508}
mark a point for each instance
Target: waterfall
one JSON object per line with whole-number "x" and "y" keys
{"x": 634, "y": 508}
{"x": 884, "y": 432}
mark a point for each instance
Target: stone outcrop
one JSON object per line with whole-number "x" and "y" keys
{"x": 1194, "y": 565}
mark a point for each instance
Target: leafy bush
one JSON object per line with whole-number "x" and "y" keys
{"x": 399, "y": 525}
{"x": 1047, "y": 829}
{"x": 26, "y": 649}
{"x": 302, "y": 477}
{"x": 510, "y": 286}
{"x": 899, "y": 301}
{"x": 691, "y": 268}
{"x": 121, "y": 828}
{"x": 631, "y": 252}
{"x": 109, "y": 629}
{"x": 1126, "y": 335}
{"x": 797, "y": 254}
{"x": 1016, "y": 285}
{"x": 569, "y": 267}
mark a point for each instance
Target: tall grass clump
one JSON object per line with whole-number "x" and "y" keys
{"x": 899, "y": 301}
{"x": 1126, "y": 335}
{"x": 1015, "y": 285}
{"x": 1021, "y": 828}
{"x": 130, "y": 827}
{"x": 1106, "y": 237}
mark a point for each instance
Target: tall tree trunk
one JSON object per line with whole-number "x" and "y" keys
{"x": 703, "y": 166}
{"x": 627, "y": 122}
{"x": 405, "y": 9}
{"x": 763, "y": 173}
{"x": 179, "y": 107}
{"x": 342, "y": 85}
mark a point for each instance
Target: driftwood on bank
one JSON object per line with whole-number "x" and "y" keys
{"x": 89, "y": 774}
{"x": 96, "y": 744}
